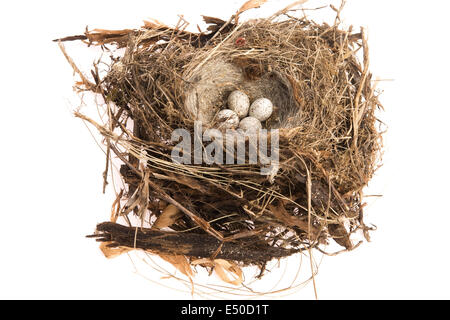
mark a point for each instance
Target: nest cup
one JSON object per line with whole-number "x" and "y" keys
{"x": 209, "y": 87}
{"x": 329, "y": 144}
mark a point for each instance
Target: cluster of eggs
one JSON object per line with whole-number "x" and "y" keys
{"x": 240, "y": 114}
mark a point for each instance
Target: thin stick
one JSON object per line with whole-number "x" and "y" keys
{"x": 89, "y": 85}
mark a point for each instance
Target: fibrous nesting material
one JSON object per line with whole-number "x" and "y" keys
{"x": 329, "y": 143}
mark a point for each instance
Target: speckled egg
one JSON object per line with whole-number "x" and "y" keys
{"x": 239, "y": 103}
{"x": 261, "y": 109}
{"x": 227, "y": 119}
{"x": 250, "y": 124}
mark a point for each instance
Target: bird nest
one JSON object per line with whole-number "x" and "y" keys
{"x": 329, "y": 143}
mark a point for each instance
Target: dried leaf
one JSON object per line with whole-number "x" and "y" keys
{"x": 288, "y": 8}
{"x": 181, "y": 263}
{"x": 154, "y": 24}
{"x": 280, "y": 213}
{"x": 251, "y": 4}
{"x": 113, "y": 252}
{"x": 115, "y": 208}
{"x": 140, "y": 198}
{"x": 224, "y": 269}
{"x": 340, "y": 235}
{"x": 168, "y": 217}
{"x": 112, "y": 32}
{"x": 212, "y": 20}
{"x": 227, "y": 271}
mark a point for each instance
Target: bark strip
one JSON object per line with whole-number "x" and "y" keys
{"x": 251, "y": 251}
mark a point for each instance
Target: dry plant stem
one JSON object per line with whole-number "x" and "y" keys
{"x": 287, "y": 9}
{"x": 197, "y": 220}
{"x": 89, "y": 85}
{"x": 308, "y": 191}
{"x": 358, "y": 113}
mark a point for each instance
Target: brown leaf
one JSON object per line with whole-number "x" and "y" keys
{"x": 105, "y": 32}
{"x": 115, "y": 208}
{"x": 181, "y": 263}
{"x": 154, "y": 24}
{"x": 212, "y": 20}
{"x": 340, "y": 235}
{"x": 281, "y": 213}
{"x": 168, "y": 217}
{"x": 251, "y": 4}
{"x": 289, "y": 7}
{"x": 113, "y": 252}
{"x": 227, "y": 271}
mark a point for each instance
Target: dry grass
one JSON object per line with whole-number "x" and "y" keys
{"x": 329, "y": 141}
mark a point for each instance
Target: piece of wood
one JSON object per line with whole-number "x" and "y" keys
{"x": 194, "y": 245}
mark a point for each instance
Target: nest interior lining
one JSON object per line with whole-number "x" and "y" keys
{"x": 209, "y": 87}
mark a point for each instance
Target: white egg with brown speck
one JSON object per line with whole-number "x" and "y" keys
{"x": 227, "y": 119}
{"x": 250, "y": 125}
{"x": 261, "y": 109}
{"x": 239, "y": 102}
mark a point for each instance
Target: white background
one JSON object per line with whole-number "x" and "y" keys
{"x": 51, "y": 168}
